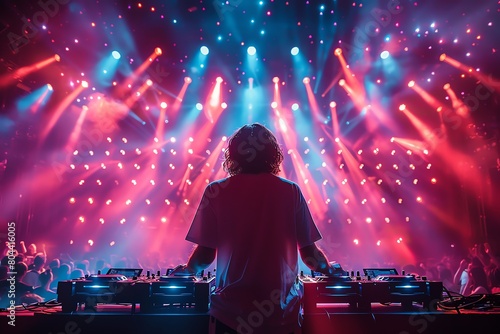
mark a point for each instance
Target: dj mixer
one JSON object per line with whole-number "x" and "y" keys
{"x": 150, "y": 292}
{"x": 360, "y": 292}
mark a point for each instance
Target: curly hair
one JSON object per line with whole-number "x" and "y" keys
{"x": 252, "y": 149}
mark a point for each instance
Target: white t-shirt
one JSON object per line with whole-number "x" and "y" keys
{"x": 464, "y": 278}
{"x": 256, "y": 222}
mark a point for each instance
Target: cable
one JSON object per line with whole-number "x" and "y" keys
{"x": 476, "y": 301}
{"x": 450, "y": 297}
{"x": 34, "y": 306}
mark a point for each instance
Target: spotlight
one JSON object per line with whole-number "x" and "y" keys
{"x": 251, "y": 50}
{"x": 85, "y": 84}
{"x": 294, "y": 51}
{"x": 338, "y": 52}
{"x": 204, "y": 50}
{"x": 306, "y": 80}
{"x": 49, "y": 87}
{"x": 446, "y": 86}
{"x": 384, "y": 54}
{"x": 188, "y": 80}
{"x": 333, "y": 104}
{"x": 341, "y": 82}
{"x": 219, "y": 80}
{"x": 276, "y": 79}
{"x": 149, "y": 82}
{"x": 158, "y": 51}
{"x": 116, "y": 54}
{"x": 402, "y": 107}
{"x": 442, "y": 57}
{"x": 57, "y": 57}
{"x": 411, "y": 83}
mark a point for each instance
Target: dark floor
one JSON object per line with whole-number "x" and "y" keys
{"x": 328, "y": 319}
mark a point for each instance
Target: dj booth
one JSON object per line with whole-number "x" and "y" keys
{"x": 380, "y": 301}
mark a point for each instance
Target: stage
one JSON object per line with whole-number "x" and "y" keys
{"x": 338, "y": 318}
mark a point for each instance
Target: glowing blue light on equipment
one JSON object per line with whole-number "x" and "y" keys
{"x": 294, "y": 51}
{"x": 384, "y": 54}
{"x": 116, "y": 54}
{"x": 251, "y": 50}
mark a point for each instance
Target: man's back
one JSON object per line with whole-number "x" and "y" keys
{"x": 256, "y": 222}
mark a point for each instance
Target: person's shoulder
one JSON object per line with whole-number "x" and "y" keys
{"x": 480, "y": 290}
{"x": 218, "y": 182}
{"x": 286, "y": 181}
{"x": 216, "y": 185}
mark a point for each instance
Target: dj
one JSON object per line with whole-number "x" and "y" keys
{"x": 256, "y": 223}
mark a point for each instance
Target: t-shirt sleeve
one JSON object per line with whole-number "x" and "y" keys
{"x": 203, "y": 230}
{"x": 307, "y": 231}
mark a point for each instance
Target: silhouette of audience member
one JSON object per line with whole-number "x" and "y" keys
{"x": 461, "y": 276}
{"x": 430, "y": 271}
{"x": 84, "y": 266}
{"x": 445, "y": 276}
{"x": 479, "y": 251}
{"x": 20, "y": 258}
{"x": 44, "y": 289}
{"x": 257, "y": 223}
{"x": 31, "y": 277}
{"x": 30, "y": 252}
{"x": 494, "y": 280}
{"x": 411, "y": 269}
{"x": 477, "y": 283}
{"x": 54, "y": 264}
{"x": 102, "y": 266}
{"x": 121, "y": 263}
{"x": 21, "y": 288}
{"x": 61, "y": 274}
{"x": 8, "y": 250}
{"x": 76, "y": 274}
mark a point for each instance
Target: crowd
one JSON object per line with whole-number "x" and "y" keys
{"x": 477, "y": 273}
{"x": 36, "y": 276}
